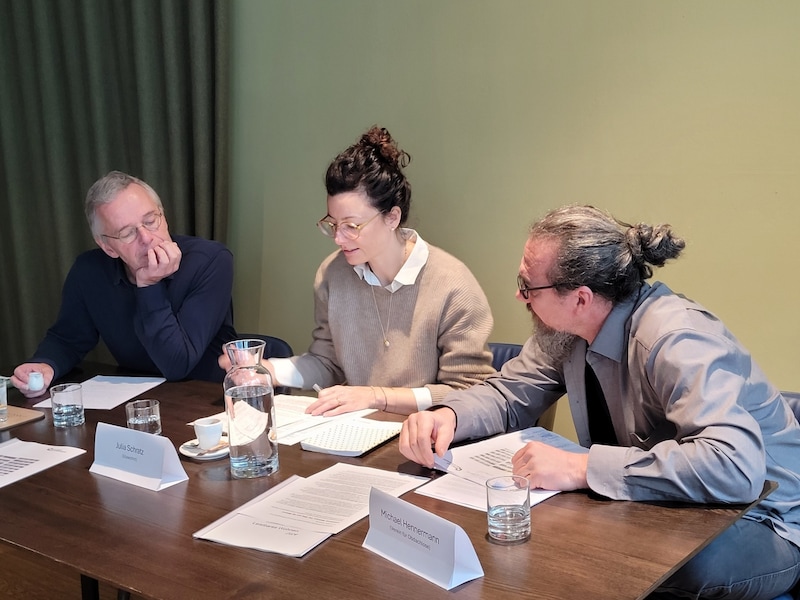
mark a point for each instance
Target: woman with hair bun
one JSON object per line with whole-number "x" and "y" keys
{"x": 399, "y": 322}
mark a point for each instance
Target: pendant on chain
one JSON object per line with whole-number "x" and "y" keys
{"x": 380, "y": 321}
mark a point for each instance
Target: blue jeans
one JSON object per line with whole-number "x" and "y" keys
{"x": 748, "y": 561}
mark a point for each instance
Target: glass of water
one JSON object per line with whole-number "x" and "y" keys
{"x": 3, "y": 399}
{"x": 508, "y": 505}
{"x": 67, "y": 402}
{"x": 144, "y": 415}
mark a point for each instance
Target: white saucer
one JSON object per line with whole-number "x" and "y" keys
{"x": 191, "y": 450}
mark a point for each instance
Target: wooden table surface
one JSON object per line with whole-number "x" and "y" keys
{"x": 141, "y": 541}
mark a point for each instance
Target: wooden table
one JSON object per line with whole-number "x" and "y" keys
{"x": 141, "y": 541}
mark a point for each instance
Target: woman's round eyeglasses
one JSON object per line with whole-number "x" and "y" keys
{"x": 349, "y": 230}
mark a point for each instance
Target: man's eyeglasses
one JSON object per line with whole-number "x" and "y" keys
{"x": 349, "y": 230}
{"x": 524, "y": 289}
{"x": 126, "y": 235}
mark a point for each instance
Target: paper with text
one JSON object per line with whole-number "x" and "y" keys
{"x": 241, "y": 530}
{"x": 106, "y": 392}
{"x": 19, "y": 460}
{"x": 330, "y": 500}
{"x": 473, "y": 464}
{"x": 295, "y": 425}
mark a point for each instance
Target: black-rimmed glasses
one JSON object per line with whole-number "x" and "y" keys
{"x": 524, "y": 289}
{"x": 126, "y": 235}
{"x": 349, "y": 230}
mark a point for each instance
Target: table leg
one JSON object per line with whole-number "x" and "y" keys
{"x": 90, "y": 588}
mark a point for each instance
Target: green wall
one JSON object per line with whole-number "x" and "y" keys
{"x": 685, "y": 112}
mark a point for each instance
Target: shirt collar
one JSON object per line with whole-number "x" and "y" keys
{"x": 408, "y": 273}
{"x": 119, "y": 273}
{"x": 612, "y": 339}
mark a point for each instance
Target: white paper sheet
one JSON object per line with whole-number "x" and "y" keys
{"x": 19, "y": 460}
{"x": 243, "y": 531}
{"x": 463, "y": 492}
{"x": 492, "y": 457}
{"x": 295, "y": 516}
{"x": 105, "y": 392}
{"x": 331, "y": 500}
{"x": 295, "y": 425}
{"x": 469, "y": 466}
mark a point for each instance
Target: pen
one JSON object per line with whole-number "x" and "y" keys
{"x": 316, "y": 388}
{"x": 448, "y": 464}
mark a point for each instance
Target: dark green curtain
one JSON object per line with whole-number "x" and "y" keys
{"x": 87, "y": 86}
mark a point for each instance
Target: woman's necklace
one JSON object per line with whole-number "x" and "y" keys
{"x": 391, "y": 297}
{"x": 388, "y": 316}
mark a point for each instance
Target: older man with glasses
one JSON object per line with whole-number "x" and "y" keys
{"x": 671, "y": 406}
{"x": 161, "y": 305}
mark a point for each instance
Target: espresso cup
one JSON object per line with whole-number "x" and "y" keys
{"x": 208, "y": 432}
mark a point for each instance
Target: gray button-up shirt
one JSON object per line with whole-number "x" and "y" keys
{"x": 696, "y": 418}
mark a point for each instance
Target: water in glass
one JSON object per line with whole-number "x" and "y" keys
{"x": 251, "y": 430}
{"x": 68, "y": 415}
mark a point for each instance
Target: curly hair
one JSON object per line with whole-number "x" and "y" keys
{"x": 373, "y": 165}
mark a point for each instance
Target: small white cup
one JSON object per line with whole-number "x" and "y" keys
{"x": 35, "y": 381}
{"x": 208, "y": 431}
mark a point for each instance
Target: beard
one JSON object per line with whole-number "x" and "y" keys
{"x": 556, "y": 345}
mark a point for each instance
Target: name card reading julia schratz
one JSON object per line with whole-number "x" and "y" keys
{"x": 423, "y": 543}
{"x": 144, "y": 459}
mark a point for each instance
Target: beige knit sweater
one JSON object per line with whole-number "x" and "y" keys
{"x": 438, "y": 329}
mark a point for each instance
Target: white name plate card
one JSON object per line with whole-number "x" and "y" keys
{"x": 423, "y": 543}
{"x": 144, "y": 459}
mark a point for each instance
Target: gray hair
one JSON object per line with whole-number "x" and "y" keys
{"x": 610, "y": 257}
{"x": 105, "y": 189}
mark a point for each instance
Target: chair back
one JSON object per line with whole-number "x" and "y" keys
{"x": 275, "y": 348}
{"x": 502, "y": 353}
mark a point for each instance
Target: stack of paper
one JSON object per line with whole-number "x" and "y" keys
{"x": 297, "y": 515}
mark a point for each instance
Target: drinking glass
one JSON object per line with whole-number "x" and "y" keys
{"x": 67, "y": 401}
{"x": 144, "y": 415}
{"x": 508, "y": 506}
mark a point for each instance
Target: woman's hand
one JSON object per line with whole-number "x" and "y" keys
{"x": 341, "y": 399}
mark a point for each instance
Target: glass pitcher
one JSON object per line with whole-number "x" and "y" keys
{"x": 250, "y": 408}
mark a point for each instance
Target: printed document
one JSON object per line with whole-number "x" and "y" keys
{"x": 294, "y": 424}
{"x": 297, "y": 515}
{"x": 19, "y": 460}
{"x": 469, "y": 466}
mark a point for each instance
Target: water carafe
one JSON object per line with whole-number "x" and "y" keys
{"x": 249, "y": 405}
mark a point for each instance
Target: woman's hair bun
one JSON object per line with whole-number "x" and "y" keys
{"x": 380, "y": 141}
